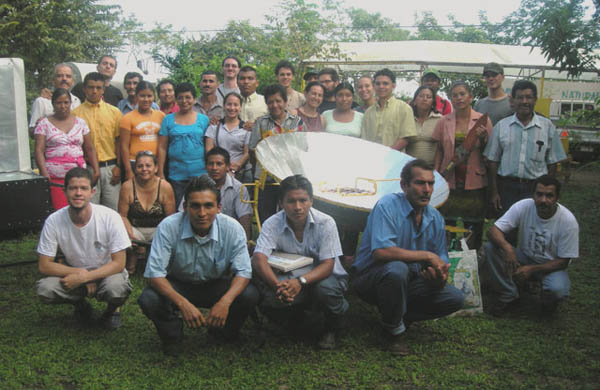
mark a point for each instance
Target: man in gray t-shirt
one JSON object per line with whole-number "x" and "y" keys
{"x": 497, "y": 103}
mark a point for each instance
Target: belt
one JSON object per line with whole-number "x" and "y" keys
{"x": 516, "y": 179}
{"x": 107, "y": 163}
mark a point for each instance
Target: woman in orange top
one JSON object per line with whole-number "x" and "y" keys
{"x": 139, "y": 128}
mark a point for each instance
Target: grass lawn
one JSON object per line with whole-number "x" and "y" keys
{"x": 41, "y": 347}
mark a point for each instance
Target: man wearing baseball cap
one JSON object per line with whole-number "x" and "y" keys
{"x": 431, "y": 78}
{"x": 497, "y": 103}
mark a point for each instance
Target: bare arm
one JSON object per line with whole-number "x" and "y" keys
{"x": 263, "y": 270}
{"x": 494, "y": 200}
{"x": 40, "y": 151}
{"x": 220, "y": 310}
{"x": 123, "y": 207}
{"x": 48, "y": 267}
{"x": 239, "y": 164}
{"x": 116, "y": 265}
{"x": 439, "y": 157}
{"x": 289, "y": 289}
{"x": 400, "y": 144}
{"x": 125, "y": 139}
{"x": 91, "y": 157}
{"x": 168, "y": 198}
{"x": 496, "y": 236}
{"x": 209, "y": 143}
{"x": 246, "y": 222}
{"x": 162, "y": 154}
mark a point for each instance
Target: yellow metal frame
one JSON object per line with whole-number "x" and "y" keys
{"x": 258, "y": 185}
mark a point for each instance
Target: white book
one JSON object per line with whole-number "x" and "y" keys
{"x": 286, "y": 262}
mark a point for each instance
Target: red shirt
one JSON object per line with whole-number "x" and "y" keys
{"x": 442, "y": 105}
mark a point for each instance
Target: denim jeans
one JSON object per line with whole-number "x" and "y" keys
{"x": 400, "y": 293}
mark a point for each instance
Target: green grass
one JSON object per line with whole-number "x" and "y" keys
{"x": 42, "y": 348}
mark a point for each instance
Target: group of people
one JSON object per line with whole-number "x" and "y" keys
{"x": 193, "y": 153}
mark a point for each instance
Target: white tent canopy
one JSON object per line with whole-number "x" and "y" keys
{"x": 458, "y": 57}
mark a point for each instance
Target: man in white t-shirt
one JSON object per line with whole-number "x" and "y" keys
{"x": 548, "y": 240}
{"x": 93, "y": 239}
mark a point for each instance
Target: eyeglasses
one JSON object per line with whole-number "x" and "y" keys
{"x": 144, "y": 153}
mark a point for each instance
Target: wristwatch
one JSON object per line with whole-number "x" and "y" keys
{"x": 302, "y": 281}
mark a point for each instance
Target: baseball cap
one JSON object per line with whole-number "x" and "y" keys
{"x": 493, "y": 67}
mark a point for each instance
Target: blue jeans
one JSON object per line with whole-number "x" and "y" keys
{"x": 555, "y": 285}
{"x": 400, "y": 292}
{"x": 178, "y": 190}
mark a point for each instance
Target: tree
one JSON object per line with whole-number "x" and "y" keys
{"x": 560, "y": 29}
{"x": 367, "y": 27}
{"x": 46, "y": 32}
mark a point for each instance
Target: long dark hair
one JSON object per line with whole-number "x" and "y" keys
{"x": 413, "y": 103}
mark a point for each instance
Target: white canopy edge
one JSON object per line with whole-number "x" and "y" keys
{"x": 446, "y": 56}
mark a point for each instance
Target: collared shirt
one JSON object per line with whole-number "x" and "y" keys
{"x": 215, "y": 110}
{"x": 233, "y": 140}
{"x": 320, "y": 239}
{"x": 112, "y": 95}
{"x": 125, "y": 106}
{"x": 42, "y": 107}
{"x": 386, "y": 125}
{"x": 173, "y": 109}
{"x": 104, "y": 121}
{"x": 179, "y": 253}
{"x": 253, "y": 107}
{"x": 391, "y": 223}
{"x": 230, "y": 198}
{"x": 524, "y": 151}
{"x": 423, "y": 146}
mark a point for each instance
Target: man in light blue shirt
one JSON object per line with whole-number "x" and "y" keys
{"x": 198, "y": 258}
{"x": 522, "y": 148}
{"x": 402, "y": 264}
{"x": 300, "y": 229}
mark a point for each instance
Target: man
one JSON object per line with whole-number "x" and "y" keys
{"x": 548, "y": 240}
{"x": 522, "y": 148}
{"x": 330, "y": 80}
{"x": 93, "y": 239}
{"x": 402, "y": 264}
{"x": 193, "y": 255}
{"x": 107, "y": 66}
{"x": 300, "y": 229}
{"x": 253, "y": 104}
{"x": 390, "y": 121}
{"x": 230, "y": 67}
{"x": 42, "y": 106}
{"x": 130, "y": 81}
{"x": 431, "y": 78}
{"x": 497, "y": 103}
{"x": 310, "y": 77}
{"x": 104, "y": 121}
{"x": 207, "y": 103}
{"x": 284, "y": 72}
{"x": 166, "y": 96}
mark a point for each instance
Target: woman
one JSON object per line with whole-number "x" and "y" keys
{"x": 466, "y": 173}
{"x": 181, "y": 138}
{"x": 144, "y": 201}
{"x": 139, "y": 128}
{"x": 230, "y": 134}
{"x": 343, "y": 119}
{"x": 366, "y": 93}
{"x": 61, "y": 140}
{"x": 313, "y": 121}
{"x": 423, "y": 146}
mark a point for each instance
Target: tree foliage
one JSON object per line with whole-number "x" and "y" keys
{"x": 368, "y": 27}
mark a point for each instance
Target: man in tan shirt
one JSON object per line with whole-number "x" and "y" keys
{"x": 284, "y": 72}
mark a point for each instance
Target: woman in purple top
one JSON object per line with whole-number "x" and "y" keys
{"x": 309, "y": 113}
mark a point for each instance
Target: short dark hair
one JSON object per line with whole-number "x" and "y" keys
{"x": 93, "y": 76}
{"x": 77, "y": 172}
{"x": 218, "y": 151}
{"x": 407, "y": 172}
{"x": 202, "y": 183}
{"x": 185, "y": 87}
{"x": 295, "y": 182}
{"x": 209, "y": 73}
{"x": 274, "y": 89}
{"x": 237, "y": 95}
{"x": 417, "y": 92}
{"x": 247, "y": 68}
{"x": 132, "y": 75}
{"x": 385, "y": 72}
{"x": 58, "y": 92}
{"x": 309, "y": 75}
{"x": 108, "y": 56}
{"x": 144, "y": 85}
{"x": 521, "y": 85}
{"x": 283, "y": 64}
{"x": 460, "y": 83}
{"x": 233, "y": 58}
{"x": 146, "y": 153}
{"x": 344, "y": 85}
{"x": 165, "y": 81}
{"x": 313, "y": 84}
{"x": 330, "y": 71}
{"x": 547, "y": 180}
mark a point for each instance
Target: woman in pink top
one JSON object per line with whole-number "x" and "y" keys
{"x": 467, "y": 174}
{"x": 60, "y": 142}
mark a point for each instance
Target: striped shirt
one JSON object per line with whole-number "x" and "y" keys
{"x": 524, "y": 151}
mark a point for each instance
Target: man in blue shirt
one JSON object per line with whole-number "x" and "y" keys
{"x": 300, "y": 229}
{"x": 402, "y": 264}
{"x": 192, "y": 257}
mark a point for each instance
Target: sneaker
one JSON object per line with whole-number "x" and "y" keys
{"x": 327, "y": 341}
{"x": 83, "y": 313}
{"x": 111, "y": 321}
{"x": 396, "y": 344}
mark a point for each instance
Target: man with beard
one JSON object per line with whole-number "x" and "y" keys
{"x": 130, "y": 82}
{"x": 207, "y": 103}
{"x": 548, "y": 241}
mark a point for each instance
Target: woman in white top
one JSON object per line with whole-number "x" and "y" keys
{"x": 423, "y": 146}
{"x": 230, "y": 134}
{"x": 343, "y": 119}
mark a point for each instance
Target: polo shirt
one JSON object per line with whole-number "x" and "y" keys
{"x": 385, "y": 125}
{"x": 253, "y": 107}
{"x": 391, "y": 223}
{"x": 104, "y": 122}
{"x": 215, "y": 110}
{"x": 233, "y": 140}
{"x": 524, "y": 151}
{"x": 179, "y": 253}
